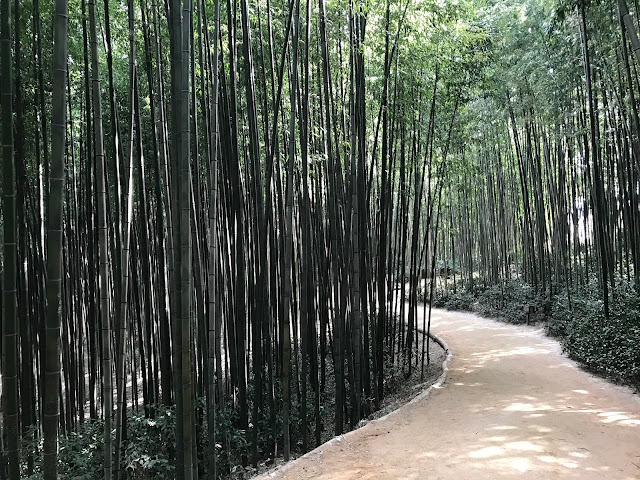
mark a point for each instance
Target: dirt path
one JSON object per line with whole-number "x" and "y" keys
{"x": 512, "y": 406}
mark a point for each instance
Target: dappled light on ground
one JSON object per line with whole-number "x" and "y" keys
{"x": 512, "y": 407}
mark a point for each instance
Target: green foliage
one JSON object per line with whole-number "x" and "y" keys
{"x": 508, "y": 301}
{"x": 151, "y": 454}
{"x": 608, "y": 347}
{"x": 80, "y": 456}
{"x": 459, "y": 300}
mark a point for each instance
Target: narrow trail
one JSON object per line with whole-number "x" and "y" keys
{"x": 512, "y": 406}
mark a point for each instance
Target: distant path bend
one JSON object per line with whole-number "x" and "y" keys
{"x": 512, "y": 407}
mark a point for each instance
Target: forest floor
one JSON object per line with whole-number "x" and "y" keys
{"x": 512, "y": 406}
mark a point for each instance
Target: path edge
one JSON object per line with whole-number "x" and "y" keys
{"x": 440, "y": 381}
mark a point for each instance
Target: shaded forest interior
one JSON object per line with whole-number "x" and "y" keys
{"x": 220, "y": 218}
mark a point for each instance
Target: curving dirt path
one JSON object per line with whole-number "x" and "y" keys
{"x": 512, "y": 406}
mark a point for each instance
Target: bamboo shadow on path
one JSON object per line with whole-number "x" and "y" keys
{"x": 513, "y": 406}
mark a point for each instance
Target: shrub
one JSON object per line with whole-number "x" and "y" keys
{"x": 150, "y": 453}
{"x": 79, "y": 456}
{"x": 608, "y": 347}
{"x": 507, "y": 301}
{"x": 460, "y": 300}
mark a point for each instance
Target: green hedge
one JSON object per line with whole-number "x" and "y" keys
{"x": 608, "y": 347}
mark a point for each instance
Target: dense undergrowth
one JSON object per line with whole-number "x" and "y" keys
{"x": 577, "y": 319}
{"x": 150, "y": 451}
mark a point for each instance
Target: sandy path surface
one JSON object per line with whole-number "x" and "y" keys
{"x": 512, "y": 406}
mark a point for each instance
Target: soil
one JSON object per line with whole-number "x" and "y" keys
{"x": 512, "y": 406}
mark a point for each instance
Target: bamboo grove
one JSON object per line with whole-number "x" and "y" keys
{"x": 208, "y": 208}
{"x": 552, "y": 195}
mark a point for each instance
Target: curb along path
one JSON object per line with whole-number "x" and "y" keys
{"x": 512, "y": 406}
